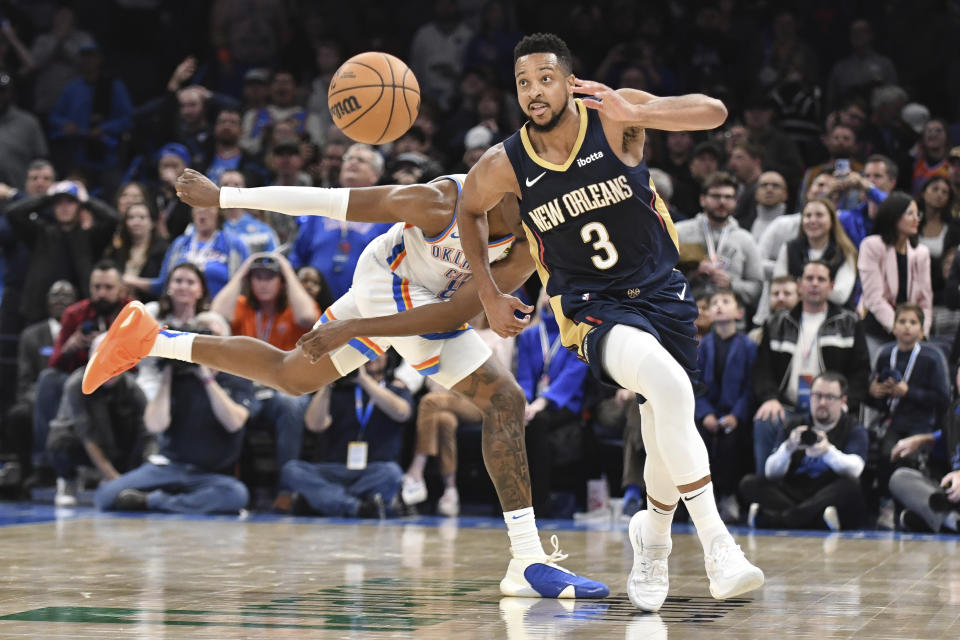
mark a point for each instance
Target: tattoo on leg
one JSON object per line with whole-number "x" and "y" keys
{"x": 504, "y": 449}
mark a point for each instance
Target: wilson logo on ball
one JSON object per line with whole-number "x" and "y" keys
{"x": 345, "y": 106}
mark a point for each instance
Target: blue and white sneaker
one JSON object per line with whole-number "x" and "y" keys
{"x": 542, "y": 578}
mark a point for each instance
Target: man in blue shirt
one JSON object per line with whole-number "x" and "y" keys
{"x": 199, "y": 416}
{"x": 878, "y": 180}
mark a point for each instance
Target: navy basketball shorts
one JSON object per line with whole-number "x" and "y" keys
{"x": 667, "y": 314}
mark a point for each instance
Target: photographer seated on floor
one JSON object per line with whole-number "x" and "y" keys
{"x": 363, "y": 419}
{"x": 812, "y": 476}
{"x": 198, "y": 415}
{"x": 104, "y": 429}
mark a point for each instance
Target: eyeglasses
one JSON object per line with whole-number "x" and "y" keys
{"x": 721, "y": 196}
{"x": 825, "y": 397}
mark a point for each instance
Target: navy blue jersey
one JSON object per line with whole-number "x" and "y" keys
{"x": 594, "y": 224}
{"x": 604, "y": 245}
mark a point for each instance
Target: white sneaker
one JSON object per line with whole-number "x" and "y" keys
{"x": 449, "y": 503}
{"x": 541, "y": 577}
{"x": 832, "y": 518}
{"x": 414, "y": 491}
{"x": 66, "y": 493}
{"x": 649, "y": 580}
{"x": 885, "y": 515}
{"x": 730, "y": 573}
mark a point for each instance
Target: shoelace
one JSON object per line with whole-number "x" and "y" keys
{"x": 656, "y": 570}
{"x": 720, "y": 557}
{"x": 557, "y": 555}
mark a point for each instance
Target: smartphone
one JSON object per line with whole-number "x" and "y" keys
{"x": 841, "y": 166}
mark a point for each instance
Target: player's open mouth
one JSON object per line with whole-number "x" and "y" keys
{"x": 538, "y": 108}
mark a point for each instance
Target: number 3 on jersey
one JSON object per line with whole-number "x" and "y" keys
{"x": 610, "y": 255}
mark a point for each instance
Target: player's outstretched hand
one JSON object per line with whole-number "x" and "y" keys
{"x": 500, "y": 315}
{"x": 608, "y": 102}
{"x": 323, "y": 339}
{"x": 197, "y": 190}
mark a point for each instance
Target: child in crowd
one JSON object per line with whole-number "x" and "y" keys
{"x": 723, "y": 409}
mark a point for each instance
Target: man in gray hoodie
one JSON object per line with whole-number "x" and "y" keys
{"x": 730, "y": 257}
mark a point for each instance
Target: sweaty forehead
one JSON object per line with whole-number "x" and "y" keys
{"x": 537, "y": 61}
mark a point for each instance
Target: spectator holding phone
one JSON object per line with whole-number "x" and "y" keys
{"x": 909, "y": 386}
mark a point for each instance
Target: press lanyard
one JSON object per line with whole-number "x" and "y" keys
{"x": 712, "y": 250}
{"x": 549, "y": 350}
{"x": 264, "y": 329}
{"x": 201, "y": 256}
{"x": 906, "y": 374}
{"x": 363, "y": 413}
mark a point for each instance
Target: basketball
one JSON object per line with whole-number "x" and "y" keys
{"x": 374, "y": 97}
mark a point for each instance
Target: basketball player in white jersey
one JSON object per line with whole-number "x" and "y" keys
{"x": 413, "y": 267}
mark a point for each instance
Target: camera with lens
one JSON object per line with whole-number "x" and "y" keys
{"x": 808, "y": 438}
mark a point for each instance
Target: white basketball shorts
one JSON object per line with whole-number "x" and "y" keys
{"x": 377, "y": 291}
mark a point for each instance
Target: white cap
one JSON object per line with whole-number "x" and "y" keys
{"x": 915, "y": 115}
{"x": 479, "y": 137}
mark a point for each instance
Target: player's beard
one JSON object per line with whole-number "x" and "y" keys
{"x": 549, "y": 125}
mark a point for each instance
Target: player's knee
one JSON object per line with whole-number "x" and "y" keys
{"x": 289, "y": 379}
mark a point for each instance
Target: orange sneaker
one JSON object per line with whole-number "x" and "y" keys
{"x": 128, "y": 341}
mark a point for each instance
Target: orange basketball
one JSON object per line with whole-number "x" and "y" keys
{"x": 374, "y": 97}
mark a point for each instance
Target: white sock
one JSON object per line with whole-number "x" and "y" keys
{"x": 176, "y": 345}
{"x": 702, "y": 508}
{"x": 656, "y": 526}
{"x": 524, "y": 537}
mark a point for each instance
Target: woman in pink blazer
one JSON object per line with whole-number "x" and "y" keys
{"x": 893, "y": 269}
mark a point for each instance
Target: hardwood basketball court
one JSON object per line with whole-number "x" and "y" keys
{"x": 81, "y": 574}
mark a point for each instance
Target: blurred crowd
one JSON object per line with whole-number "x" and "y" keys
{"x": 818, "y": 228}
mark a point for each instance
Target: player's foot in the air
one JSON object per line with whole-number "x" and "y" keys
{"x": 128, "y": 341}
{"x": 543, "y": 578}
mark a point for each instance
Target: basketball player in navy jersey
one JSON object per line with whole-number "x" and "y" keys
{"x": 605, "y": 249}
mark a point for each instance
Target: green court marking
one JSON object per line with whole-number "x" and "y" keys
{"x": 380, "y": 604}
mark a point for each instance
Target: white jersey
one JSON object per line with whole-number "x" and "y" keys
{"x": 403, "y": 269}
{"x": 437, "y": 264}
